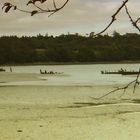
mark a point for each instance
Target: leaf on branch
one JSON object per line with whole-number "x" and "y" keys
{"x": 15, "y": 7}
{"x": 30, "y": 2}
{"x": 34, "y": 1}
{"x": 6, "y": 4}
{"x": 8, "y": 8}
{"x": 34, "y": 12}
{"x": 39, "y": 1}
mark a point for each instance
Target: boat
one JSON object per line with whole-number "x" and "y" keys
{"x": 110, "y": 72}
{"x": 50, "y": 72}
{"x": 2, "y": 70}
{"x": 122, "y": 72}
{"x": 131, "y": 73}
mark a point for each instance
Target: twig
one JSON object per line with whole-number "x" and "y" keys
{"x": 7, "y": 6}
{"x": 134, "y": 23}
{"x": 136, "y": 82}
{"x": 113, "y": 18}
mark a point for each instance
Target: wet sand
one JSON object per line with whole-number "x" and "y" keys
{"x": 51, "y": 112}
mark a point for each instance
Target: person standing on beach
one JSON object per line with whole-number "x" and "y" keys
{"x": 10, "y": 69}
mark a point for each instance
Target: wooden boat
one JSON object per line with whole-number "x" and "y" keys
{"x": 131, "y": 73}
{"x": 122, "y": 72}
{"x": 50, "y": 72}
{"x": 112, "y": 72}
{"x": 2, "y": 70}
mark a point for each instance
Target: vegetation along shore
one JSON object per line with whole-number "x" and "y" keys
{"x": 70, "y": 49}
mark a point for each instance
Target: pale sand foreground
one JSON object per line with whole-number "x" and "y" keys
{"x": 68, "y": 113}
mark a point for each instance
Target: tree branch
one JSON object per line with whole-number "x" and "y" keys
{"x": 113, "y": 18}
{"x": 134, "y": 23}
{"x": 135, "y": 82}
{"x": 7, "y": 7}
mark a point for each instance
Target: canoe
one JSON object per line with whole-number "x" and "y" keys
{"x": 2, "y": 70}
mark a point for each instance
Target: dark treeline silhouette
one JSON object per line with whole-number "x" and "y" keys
{"x": 69, "y": 48}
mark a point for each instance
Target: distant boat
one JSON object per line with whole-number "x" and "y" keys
{"x": 50, "y": 72}
{"x": 112, "y": 72}
{"x": 123, "y": 72}
{"x": 2, "y": 70}
{"x": 131, "y": 73}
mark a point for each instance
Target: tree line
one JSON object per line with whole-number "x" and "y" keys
{"x": 69, "y": 48}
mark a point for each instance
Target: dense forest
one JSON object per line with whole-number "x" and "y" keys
{"x": 69, "y": 48}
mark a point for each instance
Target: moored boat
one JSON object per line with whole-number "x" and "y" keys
{"x": 122, "y": 72}
{"x": 2, "y": 70}
{"x": 131, "y": 73}
{"x": 50, "y": 72}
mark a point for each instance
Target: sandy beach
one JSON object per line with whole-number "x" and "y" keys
{"x": 51, "y": 112}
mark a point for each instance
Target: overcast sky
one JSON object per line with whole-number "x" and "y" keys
{"x": 82, "y": 16}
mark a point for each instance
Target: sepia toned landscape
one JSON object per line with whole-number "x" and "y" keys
{"x": 69, "y": 70}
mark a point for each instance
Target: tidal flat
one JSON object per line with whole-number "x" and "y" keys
{"x": 38, "y": 107}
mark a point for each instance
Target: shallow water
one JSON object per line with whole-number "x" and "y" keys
{"x": 74, "y": 74}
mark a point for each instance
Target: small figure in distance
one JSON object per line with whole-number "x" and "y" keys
{"x": 41, "y": 71}
{"x": 10, "y": 69}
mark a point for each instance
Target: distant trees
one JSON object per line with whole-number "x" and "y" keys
{"x": 69, "y": 48}
{"x": 115, "y": 34}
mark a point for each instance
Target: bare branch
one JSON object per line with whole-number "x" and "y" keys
{"x": 7, "y": 6}
{"x": 137, "y": 20}
{"x": 135, "y": 82}
{"x": 134, "y": 23}
{"x": 113, "y": 18}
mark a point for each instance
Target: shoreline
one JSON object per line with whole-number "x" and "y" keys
{"x": 72, "y": 63}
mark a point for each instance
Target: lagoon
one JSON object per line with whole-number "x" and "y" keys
{"x": 73, "y": 74}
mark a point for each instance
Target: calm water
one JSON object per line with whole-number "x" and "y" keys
{"x": 77, "y": 74}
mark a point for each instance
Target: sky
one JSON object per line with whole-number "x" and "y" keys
{"x": 78, "y": 16}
